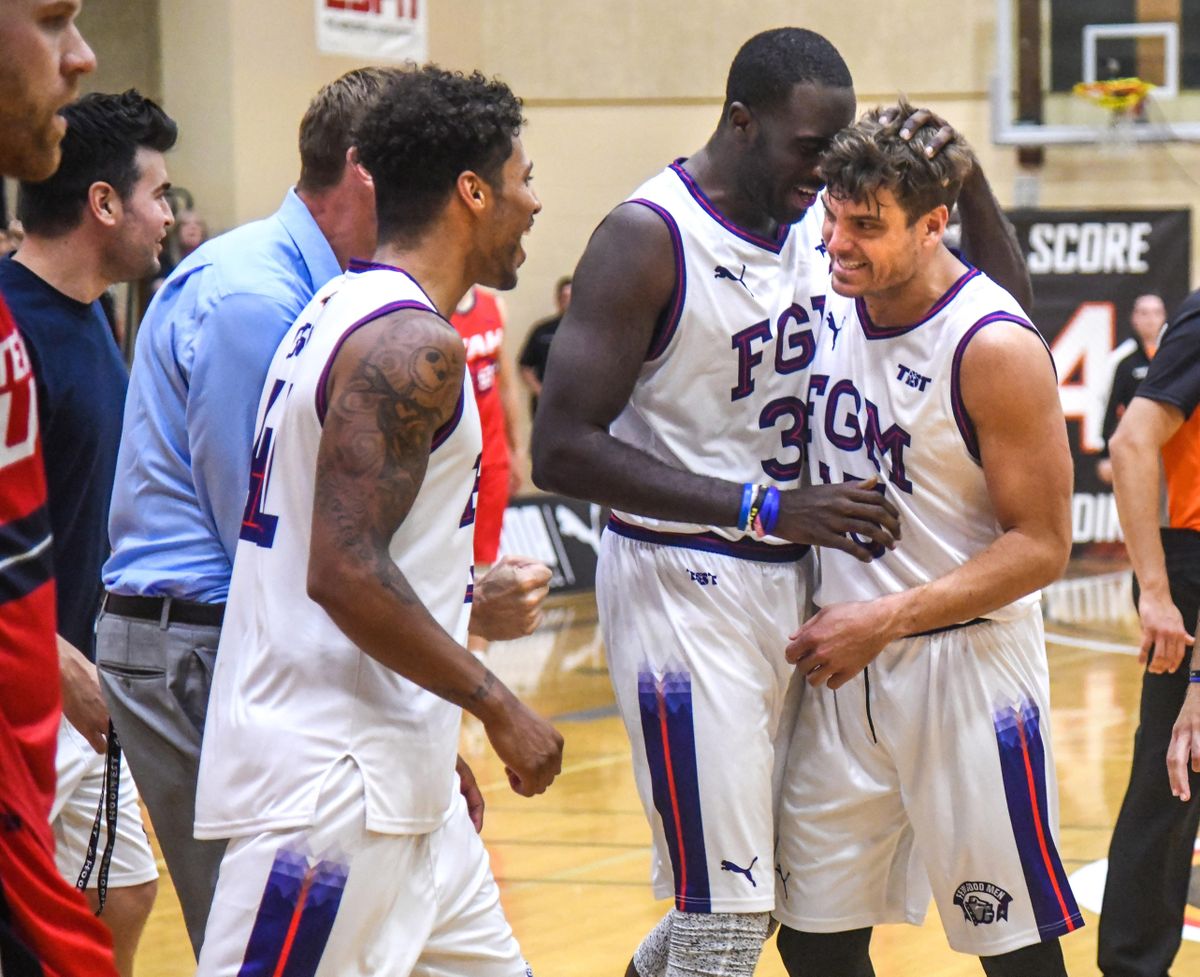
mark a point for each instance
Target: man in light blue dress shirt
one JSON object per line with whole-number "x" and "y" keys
{"x": 184, "y": 467}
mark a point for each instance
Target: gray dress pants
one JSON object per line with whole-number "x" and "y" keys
{"x": 156, "y": 681}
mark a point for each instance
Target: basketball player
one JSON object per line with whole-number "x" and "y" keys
{"x": 690, "y": 326}
{"x": 479, "y": 319}
{"x": 329, "y": 748}
{"x": 45, "y": 925}
{"x": 921, "y": 754}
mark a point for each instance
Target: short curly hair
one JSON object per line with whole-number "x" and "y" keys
{"x": 767, "y": 66}
{"x": 870, "y": 156}
{"x": 427, "y": 127}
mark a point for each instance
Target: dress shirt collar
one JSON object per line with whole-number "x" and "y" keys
{"x": 318, "y": 256}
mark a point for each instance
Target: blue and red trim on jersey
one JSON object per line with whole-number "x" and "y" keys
{"x": 767, "y": 244}
{"x": 966, "y": 426}
{"x": 664, "y": 330}
{"x": 872, "y": 331}
{"x": 379, "y": 313}
{"x": 295, "y": 917}
{"x": 709, "y": 542}
{"x": 25, "y": 554}
{"x": 1023, "y": 767}
{"x": 667, "y": 729}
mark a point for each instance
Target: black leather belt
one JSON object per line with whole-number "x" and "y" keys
{"x": 165, "y": 610}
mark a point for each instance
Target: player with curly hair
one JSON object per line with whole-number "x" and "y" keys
{"x": 921, "y": 763}
{"x": 329, "y": 749}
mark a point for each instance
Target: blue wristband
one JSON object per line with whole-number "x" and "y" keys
{"x": 769, "y": 515}
{"x": 1194, "y": 675}
{"x": 747, "y": 500}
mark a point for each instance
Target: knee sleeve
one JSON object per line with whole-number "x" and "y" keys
{"x": 1040, "y": 960}
{"x": 650, "y": 958}
{"x": 715, "y": 944}
{"x": 846, "y": 954}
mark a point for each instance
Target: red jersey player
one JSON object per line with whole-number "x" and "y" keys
{"x": 479, "y": 319}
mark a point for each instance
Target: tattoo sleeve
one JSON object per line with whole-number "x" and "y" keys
{"x": 400, "y": 381}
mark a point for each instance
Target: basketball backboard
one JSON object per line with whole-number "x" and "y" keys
{"x": 1045, "y": 47}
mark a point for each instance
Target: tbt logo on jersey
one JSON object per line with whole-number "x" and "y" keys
{"x": 912, "y": 378}
{"x": 982, "y": 902}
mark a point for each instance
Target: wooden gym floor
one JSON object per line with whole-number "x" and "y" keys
{"x": 573, "y": 864}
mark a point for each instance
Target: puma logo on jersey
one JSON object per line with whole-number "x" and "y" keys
{"x": 833, "y": 328}
{"x": 727, "y": 866}
{"x": 722, "y": 272}
{"x": 703, "y": 577}
{"x": 783, "y": 879}
{"x": 912, "y": 378}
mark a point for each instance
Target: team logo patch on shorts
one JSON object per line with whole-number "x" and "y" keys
{"x": 982, "y": 902}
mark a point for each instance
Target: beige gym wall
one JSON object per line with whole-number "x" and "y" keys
{"x": 614, "y": 89}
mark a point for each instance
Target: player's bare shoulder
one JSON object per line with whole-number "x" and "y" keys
{"x": 407, "y": 367}
{"x": 630, "y": 260}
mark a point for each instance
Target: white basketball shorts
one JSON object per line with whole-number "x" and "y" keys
{"x": 696, "y": 642}
{"x": 932, "y": 768}
{"x": 337, "y": 900}
{"x": 79, "y": 793}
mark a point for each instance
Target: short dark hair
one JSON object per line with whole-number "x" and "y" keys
{"x": 768, "y": 65}
{"x": 429, "y": 126}
{"x": 104, "y": 133}
{"x": 870, "y": 156}
{"x": 327, "y": 129}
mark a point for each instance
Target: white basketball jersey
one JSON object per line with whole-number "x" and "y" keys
{"x": 721, "y": 391}
{"x": 291, "y": 693}
{"x": 888, "y": 401}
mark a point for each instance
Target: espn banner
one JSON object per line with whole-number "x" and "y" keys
{"x": 373, "y": 30}
{"x": 1087, "y": 267}
{"x": 562, "y": 533}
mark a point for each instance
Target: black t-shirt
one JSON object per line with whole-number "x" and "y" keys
{"x": 1174, "y": 375}
{"x": 1174, "y": 378}
{"x": 1130, "y": 372}
{"x": 536, "y": 350}
{"x": 81, "y": 381}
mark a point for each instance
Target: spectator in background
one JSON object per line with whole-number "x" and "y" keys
{"x": 1148, "y": 317}
{"x": 11, "y": 237}
{"x": 190, "y": 231}
{"x": 101, "y": 219}
{"x": 536, "y": 351}
{"x": 1151, "y": 852}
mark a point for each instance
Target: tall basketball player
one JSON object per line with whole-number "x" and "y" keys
{"x": 921, "y": 754}
{"x": 329, "y": 749}
{"x": 675, "y": 395}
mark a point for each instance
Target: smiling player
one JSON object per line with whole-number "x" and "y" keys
{"x": 921, "y": 755}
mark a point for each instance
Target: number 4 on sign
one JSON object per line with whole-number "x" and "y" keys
{"x": 1082, "y": 356}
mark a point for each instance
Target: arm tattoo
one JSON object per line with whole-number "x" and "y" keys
{"x": 385, "y": 406}
{"x": 482, "y": 692}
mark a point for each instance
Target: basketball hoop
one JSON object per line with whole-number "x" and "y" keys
{"x": 1124, "y": 98}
